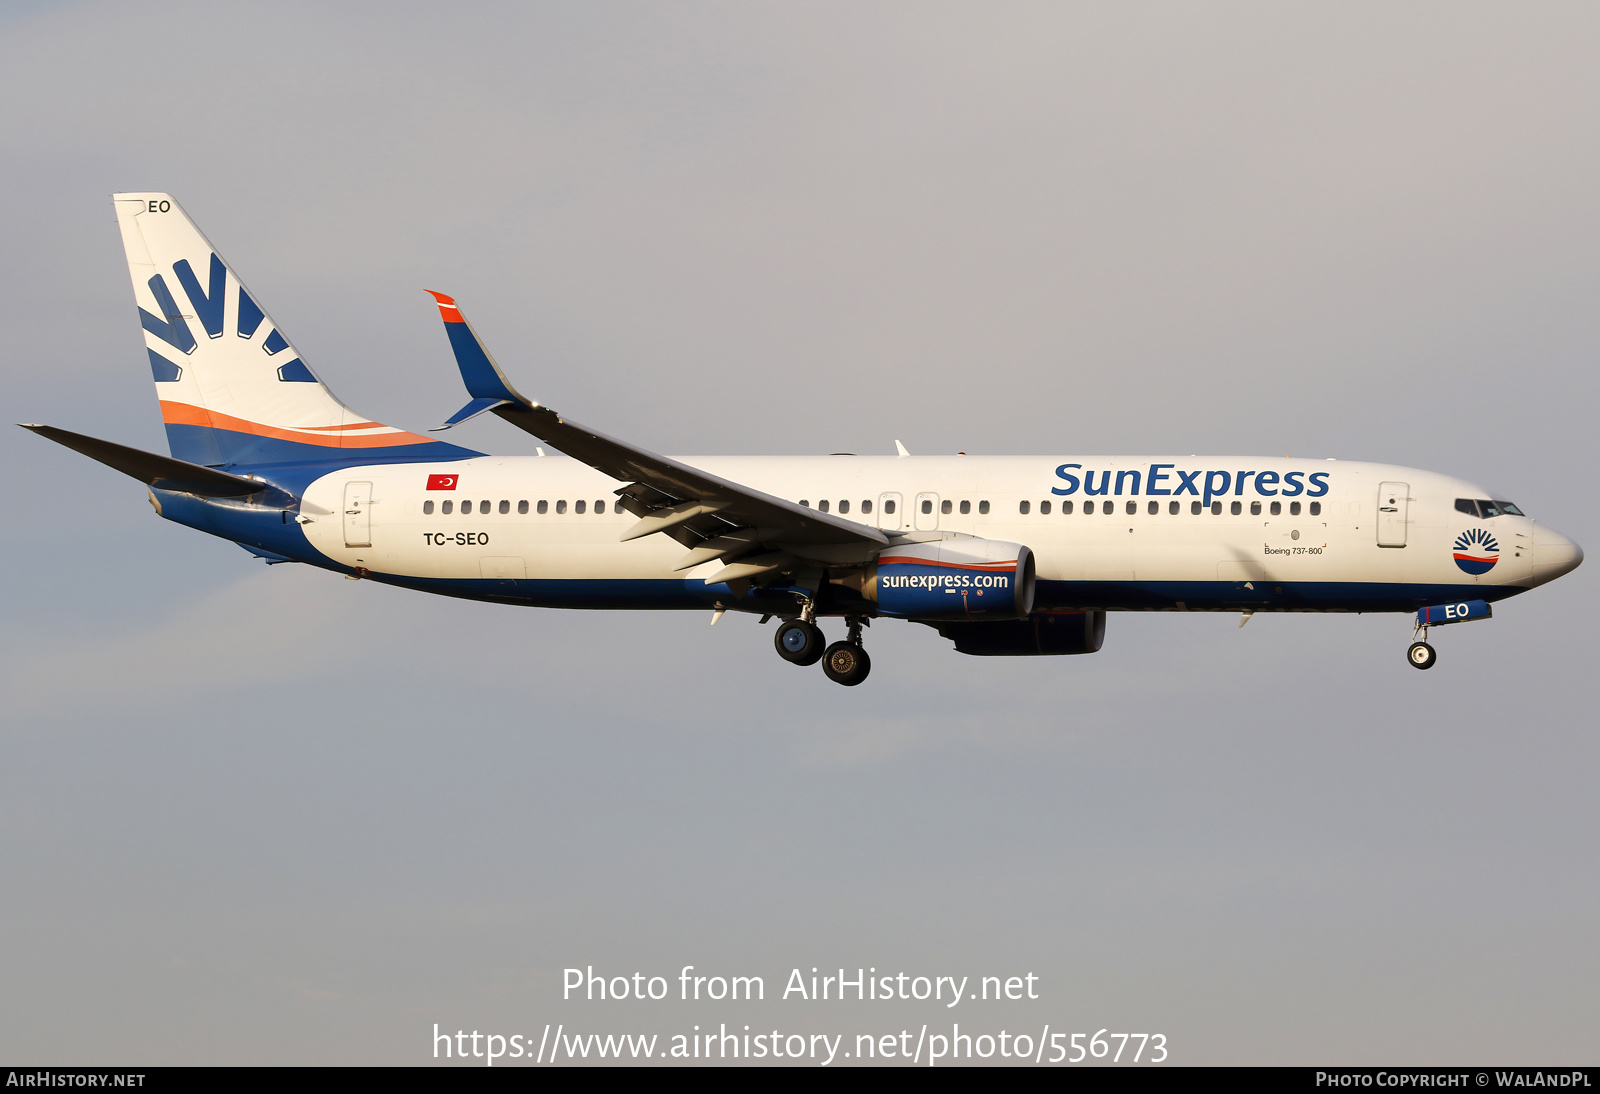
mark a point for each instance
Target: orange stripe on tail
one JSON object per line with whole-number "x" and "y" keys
{"x": 185, "y": 414}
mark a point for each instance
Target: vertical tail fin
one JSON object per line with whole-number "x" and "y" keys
{"x": 233, "y": 390}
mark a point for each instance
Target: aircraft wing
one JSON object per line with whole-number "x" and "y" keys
{"x": 715, "y": 517}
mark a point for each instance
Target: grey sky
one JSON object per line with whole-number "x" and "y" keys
{"x": 252, "y": 815}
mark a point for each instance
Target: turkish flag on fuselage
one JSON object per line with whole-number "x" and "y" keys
{"x": 442, "y": 482}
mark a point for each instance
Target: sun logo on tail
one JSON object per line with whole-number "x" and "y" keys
{"x": 1476, "y": 551}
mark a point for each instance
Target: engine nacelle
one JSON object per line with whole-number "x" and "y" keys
{"x": 1044, "y": 634}
{"x": 961, "y": 578}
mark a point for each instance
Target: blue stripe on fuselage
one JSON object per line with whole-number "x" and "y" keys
{"x": 273, "y": 529}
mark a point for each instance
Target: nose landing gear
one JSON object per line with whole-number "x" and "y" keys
{"x": 1421, "y": 655}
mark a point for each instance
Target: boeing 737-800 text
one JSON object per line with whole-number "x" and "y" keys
{"x": 1004, "y": 555}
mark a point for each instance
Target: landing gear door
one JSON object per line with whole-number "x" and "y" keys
{"x": 1393, "y": 507}
{"x": 891, "y": 512}
{"x": 358, "y": 514}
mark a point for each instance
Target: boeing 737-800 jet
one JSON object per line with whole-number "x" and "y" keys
{"x": 1004, "y": 555}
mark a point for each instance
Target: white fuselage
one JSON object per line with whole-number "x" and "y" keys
{"x": 555, "y": 520}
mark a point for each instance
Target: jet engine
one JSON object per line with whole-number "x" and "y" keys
{"x": 1041, "y": 634}
{"x": 959, "y": 578}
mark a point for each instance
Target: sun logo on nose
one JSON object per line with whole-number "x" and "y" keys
{"x": 1476, "y": 551}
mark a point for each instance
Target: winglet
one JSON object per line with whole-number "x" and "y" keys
{"x": 485, "y": 382}
{"x": 900, "y": 449}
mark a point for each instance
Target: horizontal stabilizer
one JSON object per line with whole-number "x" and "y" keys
{"x": 161, "y": 472}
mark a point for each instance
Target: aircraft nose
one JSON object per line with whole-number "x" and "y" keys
{"x": 1553, "y": 555}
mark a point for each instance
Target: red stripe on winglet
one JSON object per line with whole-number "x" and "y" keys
{"x": 447, "y": 307}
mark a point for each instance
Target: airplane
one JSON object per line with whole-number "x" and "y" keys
{"x": 1002, "y": 555}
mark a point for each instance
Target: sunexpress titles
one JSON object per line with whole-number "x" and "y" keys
{"x": 1164, "y": 479}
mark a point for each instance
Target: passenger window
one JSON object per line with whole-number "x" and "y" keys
{"x": 1066, "y": 508}
{"x": 966, "y": 507}
{"x": 1088, "y": 508}
{"x": 544, "y": 507}
{"x": 844, "y": 506}
{"x": 1277, "y": 507}
{"x": 483, "y": 507}
{"x": 1255, "y": 509}
{"x": 1236, "y": 508}
{"x": 466, "y": 507}
{"x": 822, "y": 506}
{"x": 1155, "y": 507}
{"x": 805, "y": 504}
{"x": 927, "y": 506}
{"x": 505, "y": 507}
{"x": 1044, "y": 508}
{"x": 445, "y": 508}
{"x": 1172, "y": 508}
{"x": 1216, "y": 508}
{"x": 866, "y": 507}
{"x": 427, "y": 507}
{"x": 1294, "y": 509}
{"x": 1316, "y": 508}
{"x": 888, "y": 507}
{"x": 1194, "y": 508}
{"x": 522, "y": 508}
{"x": 983, "y": 508}
{"x": 1022, "y": 507}
{"x": 599, "y": 507}
{"x": 578, "y": 507}
{"x": 1106, "y": 508}
{"x": 561, "y": 506}
{"x": 944, "y": 507}
{"x": 1133, "y": 507}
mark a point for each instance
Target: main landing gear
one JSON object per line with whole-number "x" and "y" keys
{"x": 800, "y": 642}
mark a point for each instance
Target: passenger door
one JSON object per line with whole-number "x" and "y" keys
{"x": 927, "y": 512}
{"x": 358, "y": 514}
{"x": 1393, "y": 507}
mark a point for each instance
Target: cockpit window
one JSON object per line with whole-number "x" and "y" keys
{"x": 1483, "y": 508}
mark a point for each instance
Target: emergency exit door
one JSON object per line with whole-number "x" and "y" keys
{"x": 890, "y": 518}
{"x": 1393, "y": 507}
{"x": 358, "y": 514}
